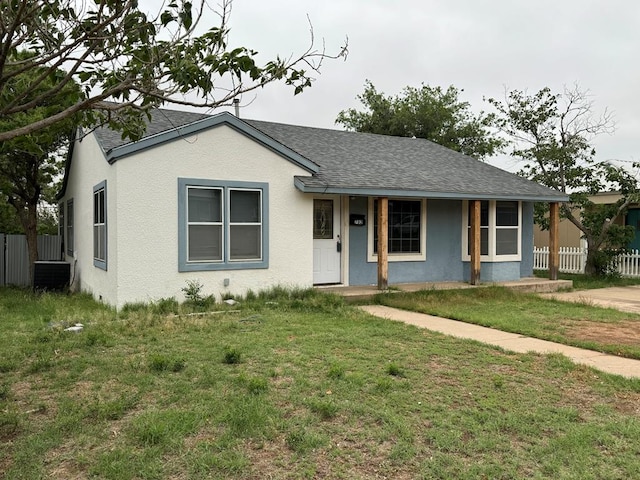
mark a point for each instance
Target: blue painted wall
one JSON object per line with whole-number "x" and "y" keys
{"x": 444, "y": 247}
{"x": 526, "y": 265}
{"x": 444, "y": 237}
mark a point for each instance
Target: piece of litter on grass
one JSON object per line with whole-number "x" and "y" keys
{"x": 75, "y": 328}
{"x": 230, "y": 301}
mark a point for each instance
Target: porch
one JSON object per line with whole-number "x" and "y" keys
{"x": 533, "y": 285}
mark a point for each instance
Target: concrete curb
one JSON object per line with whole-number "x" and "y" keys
{"x": 514, "y": 342}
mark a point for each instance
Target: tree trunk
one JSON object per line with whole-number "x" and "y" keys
{"x": 591, "y": 267}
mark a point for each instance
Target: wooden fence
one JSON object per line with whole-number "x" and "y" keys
{"x": 574, "y": 259}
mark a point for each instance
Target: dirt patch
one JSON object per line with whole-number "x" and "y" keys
{"x": 620, "y": 333}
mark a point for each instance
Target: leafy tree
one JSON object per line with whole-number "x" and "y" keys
{"x": 426, "y": 112}
{"x": 29, "y": 163}
{"x": 115, "y": 51}
{"x": 552, "y": 134}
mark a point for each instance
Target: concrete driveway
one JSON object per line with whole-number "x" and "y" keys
{"x": 626, "y": 299}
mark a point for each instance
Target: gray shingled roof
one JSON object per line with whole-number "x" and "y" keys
{"x": 361, "y": 163}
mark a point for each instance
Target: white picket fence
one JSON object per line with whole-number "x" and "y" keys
{"x": 573, "y": 260}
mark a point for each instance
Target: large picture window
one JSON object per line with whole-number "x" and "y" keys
{"x": 100, "y": 225}
{"x": 406, "y": 231}
{"x": 222, "y": 225}
{"x": 500, "y": 230}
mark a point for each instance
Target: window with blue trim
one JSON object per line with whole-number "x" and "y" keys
{"x": 100, "y": 225}
{"x": 223, "y": 225}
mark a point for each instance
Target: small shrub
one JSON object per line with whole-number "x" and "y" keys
{"x": 193, "y": 292}
{"x": 394, "y": 370}
{"x": 231, "y": 356}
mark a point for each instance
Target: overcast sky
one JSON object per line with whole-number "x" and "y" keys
{"x": 481, "y": 46}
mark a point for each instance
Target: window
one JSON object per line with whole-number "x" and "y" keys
{"x": 70, "y": 227}
{"x": 100, "y": 225}
{"x": 222, "y": 225}
{"x": 500, "y": 230}
{"x": 406, "y": 231}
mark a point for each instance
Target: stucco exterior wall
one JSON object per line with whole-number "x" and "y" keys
{"x": 147, "y": 206}
{"x": 89, "y": 168}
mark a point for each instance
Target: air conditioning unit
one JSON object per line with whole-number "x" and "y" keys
{"x": 51, "y": 275}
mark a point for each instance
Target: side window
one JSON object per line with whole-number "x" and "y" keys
{"x": 100, "y": 225}
{"x": 69, "y": 236}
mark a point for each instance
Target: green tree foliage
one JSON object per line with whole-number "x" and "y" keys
{"x": 425, "y": 112}
{"x": 115, "y": 51}
{"x": 552, "y": 134}
{"x": 29, "y": 163}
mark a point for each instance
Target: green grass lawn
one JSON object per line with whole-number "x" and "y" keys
{"x": 291, "y": 386}
{"x": 527, "y": 314}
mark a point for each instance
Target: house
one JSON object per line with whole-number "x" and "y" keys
{"x": 244, "y": 205}
{"x": 570, "y": 236}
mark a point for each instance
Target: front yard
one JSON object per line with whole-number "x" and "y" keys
{"x": 293, "y": 385}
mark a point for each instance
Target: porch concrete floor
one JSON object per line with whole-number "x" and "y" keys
{"x": 365, "y": 292}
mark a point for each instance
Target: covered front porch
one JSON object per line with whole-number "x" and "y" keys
{"x": 365, "y": 292}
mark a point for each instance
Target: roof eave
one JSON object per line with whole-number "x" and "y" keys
{"x": 390, "y": 192}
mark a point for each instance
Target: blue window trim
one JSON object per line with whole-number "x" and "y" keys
{"x": 96, "y": 261}
{"x": 225, "y": 264}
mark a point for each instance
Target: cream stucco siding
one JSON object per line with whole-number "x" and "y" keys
{"x": 89, "y": 169}
{"x": 143, "y": 217}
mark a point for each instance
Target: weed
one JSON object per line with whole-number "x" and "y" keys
{"x": 231, "y": 356}
{"x": 257, "y": 385}
{"x": 164, "y": 363}
{"x": 303, "y": 441}
{"x": 336, "y": 371}
{"x": 193, "y": 292}
{"x": 325, "y": 408}
{"x": 394, "y": 370}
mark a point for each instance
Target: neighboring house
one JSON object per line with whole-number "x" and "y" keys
{"x": 570, "y": 236}
{"x": 246, "y": 205}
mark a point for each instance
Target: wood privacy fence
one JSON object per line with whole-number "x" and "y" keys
{"x": 14, "y": 256}
{"x": 574, "y": 259}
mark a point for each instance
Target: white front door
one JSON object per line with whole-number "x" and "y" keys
{"x": 326, "y": 240}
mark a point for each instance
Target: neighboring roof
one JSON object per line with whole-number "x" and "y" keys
{"x": 349, "y": 163}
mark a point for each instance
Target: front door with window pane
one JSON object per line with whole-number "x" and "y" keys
{"x": 326, "y": 238}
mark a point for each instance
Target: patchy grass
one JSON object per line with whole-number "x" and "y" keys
{"x": 577, "y": 324}
{"x": 322, "y": 391}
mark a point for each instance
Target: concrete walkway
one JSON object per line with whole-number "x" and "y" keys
{"x": 509, "y": 341}
{"x": 626, "y": 298}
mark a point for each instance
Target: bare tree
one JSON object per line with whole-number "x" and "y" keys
{"x": 115, "y": 51}
{"x": 552, "y": 134}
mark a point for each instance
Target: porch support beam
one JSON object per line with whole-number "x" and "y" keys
{"x": 554, "y": 243}
{"x": 383, "y": 243}
{"x": 474, "y": 242}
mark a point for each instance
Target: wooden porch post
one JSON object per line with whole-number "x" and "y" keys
{"x": 554, "y": 244}
{"x": 474, "y": 242}
{"x": 383, "y": 243}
